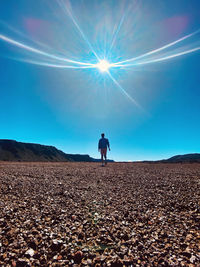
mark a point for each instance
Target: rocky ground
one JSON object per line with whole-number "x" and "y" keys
{"x": 80, "y": 214}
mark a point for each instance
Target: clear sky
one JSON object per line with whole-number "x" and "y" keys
{"x": 148, "y": 107}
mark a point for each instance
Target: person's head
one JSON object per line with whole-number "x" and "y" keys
{"x": 102, "y": 135}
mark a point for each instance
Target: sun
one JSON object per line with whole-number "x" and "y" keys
{"x": 103, "y": 65}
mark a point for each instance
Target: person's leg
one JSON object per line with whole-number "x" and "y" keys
{"x": 105, "y": 158}
{"x": 105, "y": 152}
{"x": 101, "y": 157}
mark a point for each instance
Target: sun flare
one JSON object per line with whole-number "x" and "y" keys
{"x": 103, "y": 65}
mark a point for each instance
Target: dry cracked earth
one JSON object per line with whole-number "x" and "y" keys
{"x": 80, "y": 214}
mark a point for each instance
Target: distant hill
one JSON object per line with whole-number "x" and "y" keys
{"x": 195, "y": 157}
{"x": 186, "y": 158}
{"x": 11, "y": 150}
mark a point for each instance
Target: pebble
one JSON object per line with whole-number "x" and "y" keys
{"x": 30, "y": 252}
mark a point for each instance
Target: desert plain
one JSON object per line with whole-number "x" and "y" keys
{"x": 82, "y": 214}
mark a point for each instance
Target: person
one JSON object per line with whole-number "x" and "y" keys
{"x": 102, "y": 147}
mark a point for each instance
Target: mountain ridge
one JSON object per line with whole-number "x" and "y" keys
{"x": 185, "y": 158}
{"x": 12, "y": 150}
{"x": 191, "y": 157}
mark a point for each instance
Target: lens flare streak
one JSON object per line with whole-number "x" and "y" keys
{"x": 67, "y": 10}
{"x": 134, "y": 59}
{"x": 159, "y": 49}
{"x": 123, "y": 90}
{"x": 57, "y": 61}
{"x": 51, "y": 65}
{"x": 116, "y": 34}
{"x": 37, "y": 51}
{"x": 162, "y": 58}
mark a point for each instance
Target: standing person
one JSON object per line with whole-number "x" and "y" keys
{"x": 102, "y": 147}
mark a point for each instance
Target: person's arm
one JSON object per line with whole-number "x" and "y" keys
{"x": 99, "y": 145}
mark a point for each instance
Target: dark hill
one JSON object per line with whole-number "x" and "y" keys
{"x": 11, "y": 150}
{"x": 195, "y": 157}
{"x": 186, "y": 158}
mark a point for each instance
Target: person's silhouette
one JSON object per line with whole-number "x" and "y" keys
{"x": 102, "y": 147}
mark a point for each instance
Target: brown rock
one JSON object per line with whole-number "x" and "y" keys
{"x": 78, "y": 257}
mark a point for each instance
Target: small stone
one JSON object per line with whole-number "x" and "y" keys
{"x": 84, "y": 262}
{"x": 186, "y": 254}
{"x": 80, "y": 235}
{"x": 117, "y": 263}
{"x": 89, "y": 261}
{"x": 22, "y": 263}
{"x": 33, "y": 244}
{"x": 192, "y": 259}
{"x": 78, "y": 256}
{"x": 56, "y": 245}
{"x": 30, "y": 252}
{"x": 59, "y": 257}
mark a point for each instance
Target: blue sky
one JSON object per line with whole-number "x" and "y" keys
{"x": 69, "y": 108}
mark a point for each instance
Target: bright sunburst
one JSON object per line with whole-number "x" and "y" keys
{"x": 103, "y": 65}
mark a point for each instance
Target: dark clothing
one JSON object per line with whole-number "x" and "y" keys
{"x": 103, "y": 143}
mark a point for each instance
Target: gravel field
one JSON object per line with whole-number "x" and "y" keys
{"x": 82, "y": 214}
